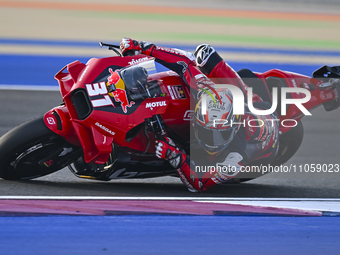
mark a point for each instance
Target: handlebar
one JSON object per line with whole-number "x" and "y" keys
{"x": 111, "y": 47}
{"x": 114, "y": 47}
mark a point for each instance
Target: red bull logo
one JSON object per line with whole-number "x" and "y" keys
{"x": 119, "y": 93}
{"x": 114, "y": 78}
{"x": 120, "y": 96}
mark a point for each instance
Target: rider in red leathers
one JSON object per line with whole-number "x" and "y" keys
{"x": 229, "y": 141}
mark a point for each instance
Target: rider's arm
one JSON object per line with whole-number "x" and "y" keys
{"x": 181, "y": 62}
{"x": 199, "y": 177}
{"x": 203, "y": 177}
{"x": 184, "y": 64}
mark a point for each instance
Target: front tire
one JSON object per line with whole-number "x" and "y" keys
{"x": 32, "y": 150}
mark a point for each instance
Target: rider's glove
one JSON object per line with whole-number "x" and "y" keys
{"x": 129, "y": 45}
{"x": 166, "y": 150}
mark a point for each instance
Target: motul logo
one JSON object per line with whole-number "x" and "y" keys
{"x": 155, "y": 104}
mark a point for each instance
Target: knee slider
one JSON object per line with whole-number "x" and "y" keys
{"x": 206, "y": 58}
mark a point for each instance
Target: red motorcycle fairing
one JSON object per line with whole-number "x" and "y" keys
{"x": 58, "y": 120}
{"x": 98, "y": 119}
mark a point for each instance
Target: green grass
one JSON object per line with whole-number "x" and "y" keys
{"x": 282, "y": 42}
{"x": 210, "y": 20}
{"x": 243, "y": 40}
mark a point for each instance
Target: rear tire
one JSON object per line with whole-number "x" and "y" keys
{"x": 25, "y": 151}
{"x": 289, "y": 143}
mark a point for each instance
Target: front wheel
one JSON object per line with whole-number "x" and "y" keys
{"x": 32, "y": 150}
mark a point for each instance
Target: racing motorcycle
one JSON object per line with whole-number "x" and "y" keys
{"x": 105, "y": 134}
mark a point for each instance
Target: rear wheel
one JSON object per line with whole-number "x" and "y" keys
{"x": 289, "y": 143}
{"x": 31, "y": 150}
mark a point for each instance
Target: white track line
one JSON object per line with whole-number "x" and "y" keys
{"x": 330, "y": 205}
{"x": 172, "y": 198}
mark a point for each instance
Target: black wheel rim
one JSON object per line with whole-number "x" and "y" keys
{"x": 27, "y": 162}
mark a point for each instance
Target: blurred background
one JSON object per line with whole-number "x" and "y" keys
{"x": 38, "y": 38}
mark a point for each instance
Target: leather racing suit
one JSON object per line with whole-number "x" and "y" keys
{"x": 254, "y": 145}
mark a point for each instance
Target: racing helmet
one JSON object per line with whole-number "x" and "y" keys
{"x": 215, "y": 125}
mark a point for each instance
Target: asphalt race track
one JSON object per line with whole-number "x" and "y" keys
{"x": 320, "y": 146}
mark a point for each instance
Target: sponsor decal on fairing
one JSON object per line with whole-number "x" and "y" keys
{"x": 189, "y": 115}
{"x": 50, "y": 120}
{"x": 104, "y": 128}
{"x": 137, "y": 61}
{"x": 155, "y": 104}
